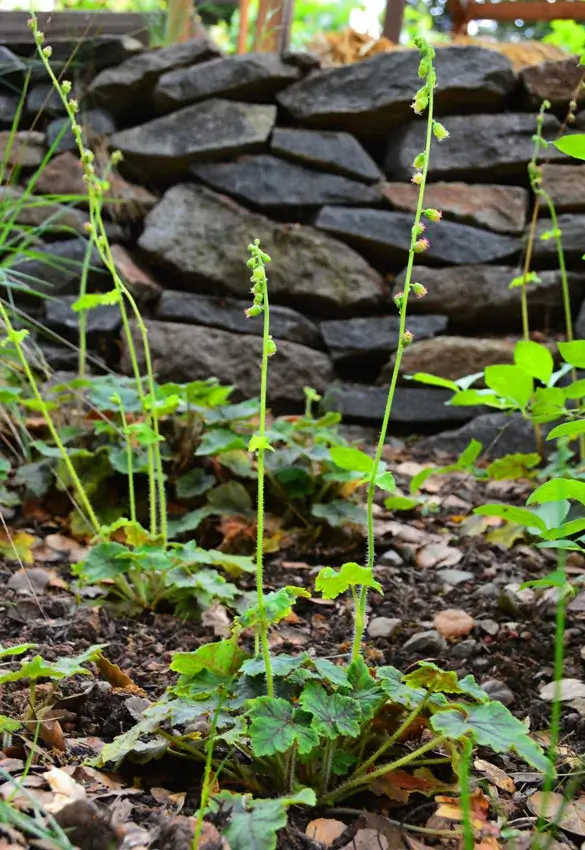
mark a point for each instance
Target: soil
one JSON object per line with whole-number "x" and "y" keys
{"x": 510, "y": 646}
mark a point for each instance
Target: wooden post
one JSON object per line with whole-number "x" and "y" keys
{"x": 393, "y": 20}
{"x": 182, "y": 24}
{"x": 273, "y": 25}
{"x": 244, "y": 22}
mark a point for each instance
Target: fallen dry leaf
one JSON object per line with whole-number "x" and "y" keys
{"x": 168, "y": 799}
{"x": 325, "y": 830}
{"x": 367, "y": 839}
{"x": 453, "y": 623}
{"x": 438, "y": 554}
{"x": 111, "y": 673}
{"x": 67, "y": 546}
{"x": 551, "y": 805}
{"x": 495, "y": 775}
{"x": 450, "y": 808}
{"x": 65, "y": 788}
{"x": 568, "y": 689}
{"x": 217, "y": 618}
{"x": 17, "y": 546}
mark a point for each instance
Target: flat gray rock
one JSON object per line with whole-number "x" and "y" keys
{"x": 387, "y": 235}
{"x": 187, "y": 353}
{"x": 56, "y": 269}
{"x": 566, "y": 186}
{"x": 43, "y": 97}
{"x": 276, "y": 184}
{"x": 202, "y": 238}
{"x": 229, "y": 314}
{"x": 376, "y": 336}
{"x": 254, "y": 76}
{"x": 478, "y": 147}
{"x": 499, "y": 433}
{"x": 131, "y": 83}
{"x": 8, "y": 109}
{"x": 572, "y": 228}
{"x": 94, "y": 123}
{"x": 553, "y": 81}
{"x": 102, "y": 321}
{"x": 499, "y": 208}
{"x": 411, "y": 406}
{"x": 371, "y": 96}
{"x": 216, "y": 128}
{"x": 327, "y": 150}
{"x": 12, "y": 68}
{"x": 479, "y": 298}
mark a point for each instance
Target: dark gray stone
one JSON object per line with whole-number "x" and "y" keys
{"x": 12, "y": 69}
{"x": 8, "y": 110}
{"x": 59, "y": 358}
{"x": 301, "y": 59}
{"x": 130, "y": 85}
{"x": 479, "y": 147}
{"x": 426, "y": 643}
{"x": 566, "y": 186}
{"x": 187, "y": 352}
{"x": 376, "y": 336}
{"x": 580, "y": 324}
{"x": 101, "y": 321}
{"x": 479, "y": 298}
{"x": 276, "y": 184}
{"x": 553, "y": 81}
{"x": 371, "y": 96}
{"x": 255, "y": 76}
{"x": 94, "y": 123}
{"x": 499, "y": 433}
{"x": 55, "y": 270}
{"x": 44, "y": 98}
{"x": 411, "y": 406}
{"x": 327, "y": 150}
{"x": 210, "y": 130}
{"x": 387, "y": 235}
{"x": 229, "y": 314}
{"x": 572, "y": 228}
{"x": 498, "y": 691}
{"x": 201, "y": 238}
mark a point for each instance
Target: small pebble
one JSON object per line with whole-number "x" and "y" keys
{"x": 464, "y": 649}
{"x": 491, "y": 627}
{"x": 455, "y": 577}
{"x": 515, "y": 601}
{"x": 499, "y": 691}
{"x": 383, "y": 626}
{"x": 429, "y": 643}
{"x": 390, "y": 558}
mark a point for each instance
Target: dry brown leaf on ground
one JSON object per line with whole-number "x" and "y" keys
{"x": 325, "y": 830}
{"x": 111, "y": 673}
{"x": 450, "y": 808}
{"x": 368, "y": 839}
{"x": 453, "y": 623}
{"x": 438, "y": 554}
{"x": 495, "y": 775}
{"x": 67, "y": 546}
{"x": 569, "y": 815}
{"x": 217, "y": 618}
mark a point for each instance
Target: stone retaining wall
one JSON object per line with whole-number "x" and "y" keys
{"x": 316, "y": 164}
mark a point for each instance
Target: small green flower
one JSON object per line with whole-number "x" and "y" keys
{"x": 439, "y": 131}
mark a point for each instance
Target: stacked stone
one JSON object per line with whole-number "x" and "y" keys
{"x": 219, "y": 150}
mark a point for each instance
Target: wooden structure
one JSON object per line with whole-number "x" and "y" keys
{"x": 464, "y": 11}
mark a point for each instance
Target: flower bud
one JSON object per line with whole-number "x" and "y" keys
{"x": 419, "y": 160}
{"x": 419, "y": 290}
{"x": 439, "y": 132}
{"x": 117, "y": 157}
{"x": 417, "y": 178}
{"x": 407, "y": 337}
{"x": 421, "y": 245}
{"x": 433, "y": 215}
{"x": 270, "y": 347}
{"x": 66, "y": 86}
{"x": 73, "y": 105}
{"x": 254, "y": 310}
{"x": 47, "y": 51}
{"x": 399, "y": 300}
{"x": 419, "y": 228}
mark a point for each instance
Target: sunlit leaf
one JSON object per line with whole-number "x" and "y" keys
{"x": 491, "y": 725}
{"x": 433, "y": 381}
{"x": 511, "y": 513}
{"x": 557, "y": 489}
{"x": 331, "y": 583}
{"x": 573, "y": 352}
{"x": 351, "y": 459}
{"x": 573, "y": 145}
{"x": 511, "y": 383}
{"x": 534, "y": 359}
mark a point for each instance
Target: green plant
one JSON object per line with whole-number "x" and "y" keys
{"x": 302, "y": 727}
